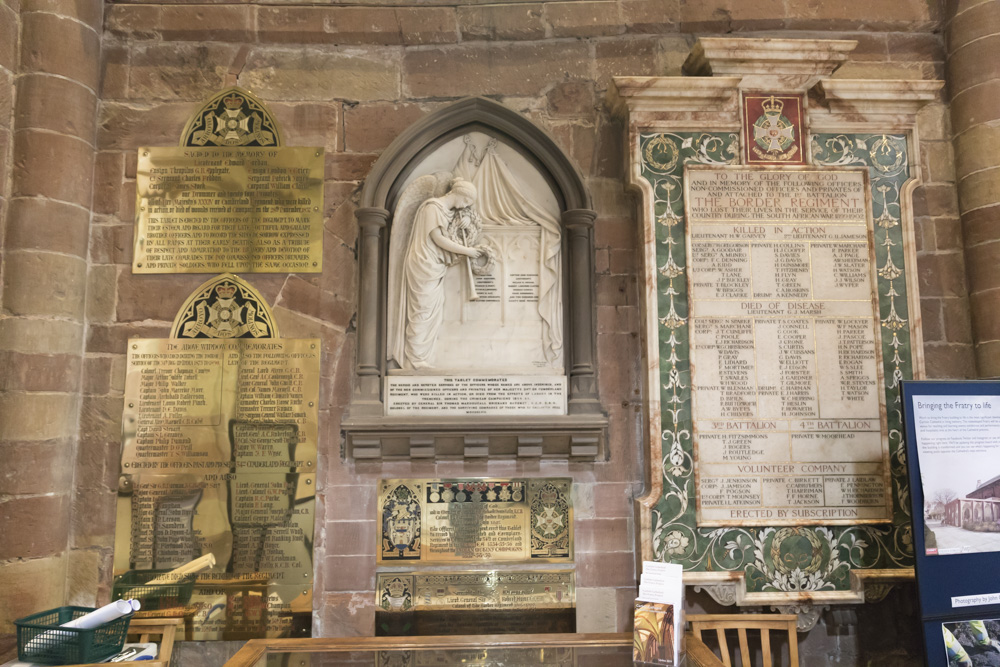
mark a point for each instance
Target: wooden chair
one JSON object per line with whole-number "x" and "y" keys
{"x": 164, "y": 628}
{"x": 765, "y": 623}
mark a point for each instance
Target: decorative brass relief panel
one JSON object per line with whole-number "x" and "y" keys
{"x": 421, "y": 603}
{"x": 225, "y": 307}
{"x": 233, "y": 117}
{"x": 475, "y": 520}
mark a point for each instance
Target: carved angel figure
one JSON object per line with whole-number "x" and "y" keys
{"x": 438, "y": 222}
{"x": 442, "y": 232}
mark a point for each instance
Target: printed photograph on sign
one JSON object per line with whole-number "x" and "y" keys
{"x": 958, "y": 442}
{"x": 972, "y": 643}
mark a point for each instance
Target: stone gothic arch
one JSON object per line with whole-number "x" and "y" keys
{"x": 382, "y": 188}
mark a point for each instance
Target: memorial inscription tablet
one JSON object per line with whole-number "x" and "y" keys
{"x": 213, "y": 209}
{"x": 475, "y": 520}
{"x": 440, "y": 603}
{"x": 219, "y": 457}
{"x": 786, "y": 372}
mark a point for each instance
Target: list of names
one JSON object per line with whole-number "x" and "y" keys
{"x": 785, "y": 373}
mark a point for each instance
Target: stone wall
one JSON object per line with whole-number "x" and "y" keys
{"x": 974, "y": 73}
{"x": 350, "y": 78}
{"x": 52, "y": 48}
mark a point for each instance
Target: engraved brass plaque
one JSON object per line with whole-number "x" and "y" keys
{"x": 564, "y": 656}
{"x": 422, "y": 603}
{"x": 214, "y": 209}
{"x": 475, "y": 520}
{"x": 219, "y": 457}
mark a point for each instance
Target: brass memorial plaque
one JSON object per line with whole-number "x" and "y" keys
{"x": 487, "y": 602}
{"x": 219, "y": 457}
{"x": 475, "y": 520}
{"x": 786, "y": 368}
{"x": 214, "y": 209}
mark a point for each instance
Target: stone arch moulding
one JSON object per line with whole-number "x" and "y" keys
{"x": 581, "y": 433}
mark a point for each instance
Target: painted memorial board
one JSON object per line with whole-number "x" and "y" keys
{"x": 787, "y": 413}
{"x": 772, "y": 558}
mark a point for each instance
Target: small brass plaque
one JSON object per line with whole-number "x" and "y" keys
{"x": 475, "y": 520}
{"x": 423, "y": 603}
{"x": 214, "y": 209}
{"x": 220, "y": 457}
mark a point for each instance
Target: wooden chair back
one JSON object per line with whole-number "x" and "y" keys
{"x": 764, "y": 623}
{"x": 164, "y": 628}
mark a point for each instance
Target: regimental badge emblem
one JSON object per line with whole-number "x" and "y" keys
{"x": 224, "y": 307}
{"x": 772, "y": 129}
{"x": 401, "y": 523}
{"x": 233, "y": 117}
{"x": 550, "y": 519}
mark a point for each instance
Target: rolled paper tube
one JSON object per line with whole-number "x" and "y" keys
{"x": 136, "y": 606}
{"x": 105, "y": 614}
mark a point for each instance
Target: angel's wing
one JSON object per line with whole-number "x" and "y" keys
{"x": 415, "y": 194}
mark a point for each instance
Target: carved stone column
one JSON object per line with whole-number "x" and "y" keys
{"x": 42, "y": 319}
{"x": 579, "y": 224}
{"x": 974, "y": 84}
{"x": 369, "y": 369}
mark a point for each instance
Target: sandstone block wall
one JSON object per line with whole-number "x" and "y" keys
{"x": 974, "y": 71}
{"x": 350, "y": 78}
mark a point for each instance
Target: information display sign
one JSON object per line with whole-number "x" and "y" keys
{"x": 952, "y": 431}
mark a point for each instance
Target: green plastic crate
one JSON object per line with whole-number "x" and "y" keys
{"x": 132, "y": 584}
{"x": 41, "y": 640}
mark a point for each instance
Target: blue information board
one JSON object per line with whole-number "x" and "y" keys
{"x": 951, "y": 432}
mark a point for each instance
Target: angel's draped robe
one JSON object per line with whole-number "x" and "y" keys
{"x": 423, "y": 281}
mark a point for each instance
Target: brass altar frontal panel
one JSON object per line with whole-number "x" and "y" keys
{"x": 219, "y": 457}
{"x": 786, "y": 356}
{"x": 215, "y": 209}
{"x": 428, "y": 521}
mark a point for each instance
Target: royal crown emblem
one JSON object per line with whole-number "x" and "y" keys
{"x": 773, "y": 133}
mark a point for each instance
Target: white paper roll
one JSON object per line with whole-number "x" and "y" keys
{"x": 136, "y": 606}
{"x": 105, "y": 614}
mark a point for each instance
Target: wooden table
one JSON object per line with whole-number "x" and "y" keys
{"x": 617, "y": 648}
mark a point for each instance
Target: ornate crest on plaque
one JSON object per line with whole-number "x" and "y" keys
{"x": 772, "y": 129}
{"x": 401, "y": 522}
{"x": 233, "y": 117}
{"x": 225, "y": 307}
{"x": 396, "y": 593}
{"x": 550, "y": 520}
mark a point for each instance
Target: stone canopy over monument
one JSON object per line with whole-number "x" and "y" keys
{"x": 780, "y": 317}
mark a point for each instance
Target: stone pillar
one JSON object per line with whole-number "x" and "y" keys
{"x": 45, "y": 250}
{"x": 974, "y": 86}
{"x": 579, "y": 224}
{"x": 369, "y": 369}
